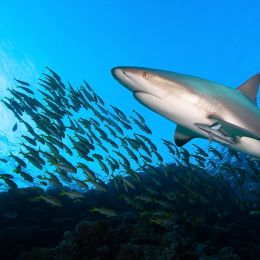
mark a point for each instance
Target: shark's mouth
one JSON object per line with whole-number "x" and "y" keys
{"x": 137, "y": 94}
{"x": 149, "y": 100}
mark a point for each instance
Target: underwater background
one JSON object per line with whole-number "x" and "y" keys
{"x": 87, "y": 172}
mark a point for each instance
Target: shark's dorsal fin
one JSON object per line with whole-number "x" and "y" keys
{"x": 183, "y": 135}
{"x": 250, "y": 87}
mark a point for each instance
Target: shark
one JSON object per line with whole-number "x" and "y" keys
{"x": 201, "y": 108}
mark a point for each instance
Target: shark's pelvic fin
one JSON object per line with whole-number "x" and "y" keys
{"x": 183, "y": 135}
{"x": 250, "y": 87}
{"x": 216, "y": 126}
{"x": 233, "y": 130}
{"x": 215, "y": 133}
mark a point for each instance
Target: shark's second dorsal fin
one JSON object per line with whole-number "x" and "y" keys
{"x": 250, "y": 87}
{"x": 183, "y": 135}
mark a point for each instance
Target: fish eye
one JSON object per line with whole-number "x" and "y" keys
{"x": 146, "y": 75}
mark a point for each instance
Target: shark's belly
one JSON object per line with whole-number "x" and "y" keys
{"x": 188, "y": 114}
{"x": 248, "y": 145}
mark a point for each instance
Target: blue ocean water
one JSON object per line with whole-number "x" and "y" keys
{"x": 84, "y": 41}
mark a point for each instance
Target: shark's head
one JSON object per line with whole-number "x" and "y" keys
{"x": 167, "y": 93}
{"x": 143, "y": 80}
{"x": 152, "y": 87}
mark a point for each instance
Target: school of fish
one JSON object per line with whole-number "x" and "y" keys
{"x": 70, "y": 131}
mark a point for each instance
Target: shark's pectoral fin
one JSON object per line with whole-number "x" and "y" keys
{"x": 183, "y": 135}
{"x": 250, "y": 87}
{"x": 232, "y": 130}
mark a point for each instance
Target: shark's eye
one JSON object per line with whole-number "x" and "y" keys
{"x": 146, "y": 75}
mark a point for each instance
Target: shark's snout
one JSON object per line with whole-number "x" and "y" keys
{"x": 121, "y": 73}
{"x": 126, "y": 76}
{"x": 137, "y": 79}
{"x": 117, "y": 72}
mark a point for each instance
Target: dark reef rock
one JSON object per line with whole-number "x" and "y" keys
{"x": 177, "y": 219}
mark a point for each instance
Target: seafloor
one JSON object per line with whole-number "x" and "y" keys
{"x": 179, "y": 216}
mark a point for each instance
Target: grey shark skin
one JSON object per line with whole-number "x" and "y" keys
{"x": 200, "y": 108}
